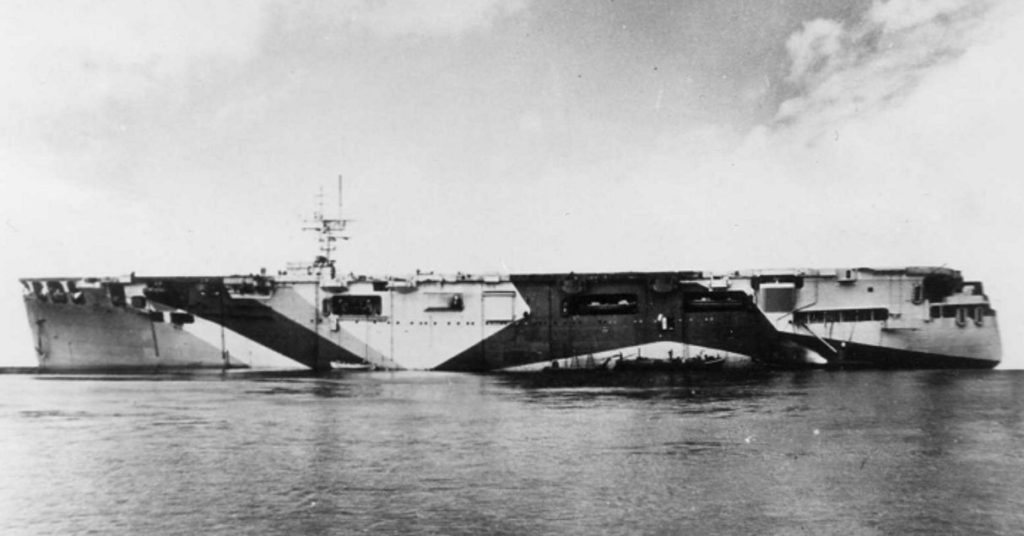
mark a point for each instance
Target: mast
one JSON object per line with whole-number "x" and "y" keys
{"x": 329, "y": 231}
{"x": 316, "y": 323}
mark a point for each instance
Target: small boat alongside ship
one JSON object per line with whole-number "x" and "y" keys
{"x": 313, "y": 314}
{"x": 696, "y": 364}
{"x": 622, "y": 363}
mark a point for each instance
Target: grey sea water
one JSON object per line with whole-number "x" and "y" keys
{"x": 823, "y": 452}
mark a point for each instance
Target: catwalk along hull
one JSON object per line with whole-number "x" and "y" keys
{"x": 887, "y": 318}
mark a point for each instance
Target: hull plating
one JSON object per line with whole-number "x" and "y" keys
{"x": 906, "y": 317}
{"x": 87, "y": 331}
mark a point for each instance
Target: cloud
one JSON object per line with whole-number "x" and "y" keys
{"x": 819, "y": 41}
{"x": 89, "y": 82}
{"x": 68, "y": 55}
{"x": 839, "y": 73}
{"x": 414, "y": 17}
{"x": 897, "y": 15}
{"x": 896, "y": 147}
{"x": 395, "y": 18}
{"x": 899, "y": 145}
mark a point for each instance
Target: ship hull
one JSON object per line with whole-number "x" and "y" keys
{"x": 854, "y": 356}
{"x": 878, "y": 318}
{"x": 97, "y": 335}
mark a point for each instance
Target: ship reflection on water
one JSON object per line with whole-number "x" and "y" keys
{"x": 784, "y": 452}
{"x": 684, "y": 384}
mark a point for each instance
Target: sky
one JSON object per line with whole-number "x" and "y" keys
{"x": 191, "y": 137}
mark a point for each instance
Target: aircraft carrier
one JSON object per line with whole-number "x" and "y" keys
{"x": 904, "y": 317}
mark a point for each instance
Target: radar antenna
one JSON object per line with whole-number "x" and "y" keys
{"x": 329, "y": 230}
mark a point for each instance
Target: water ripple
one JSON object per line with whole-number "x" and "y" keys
{"x": 393, "y": 453}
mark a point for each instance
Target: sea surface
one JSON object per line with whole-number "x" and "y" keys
{"x": 816, "y": 452}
